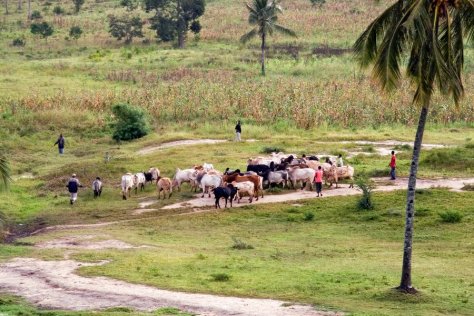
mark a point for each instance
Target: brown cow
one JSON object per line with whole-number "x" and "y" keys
{"x": 255, "y": 179}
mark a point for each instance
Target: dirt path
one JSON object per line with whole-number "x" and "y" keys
{"x": 54, "y": 285}
{"x": 179, "y": 143}
{"x": 386, "y": 185}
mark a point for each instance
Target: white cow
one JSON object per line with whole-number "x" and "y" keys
{"x": 139, "y": 181}
{"x": 208, "y": 182}
{"x": 186, "y": 175}
{"x": 155, "y": 173}
{"x": 127, "y": 184}
{"x": 297, "y": 174}
{"x": 244, "y": 188}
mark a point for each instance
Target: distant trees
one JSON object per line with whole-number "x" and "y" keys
{"x": 36, "y": 15}
{"x": 75, "y": 32}
{"x": 126, "y": 27}
{"x": 174, "y": 18}
{"x": 263, "y": 14}
{"x": 130, "y": 5}
{"x": 77, "y": 5}
{"x": 42, "y": 29}
{"x": 58, "y": 10}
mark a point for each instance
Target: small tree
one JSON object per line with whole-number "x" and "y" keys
{"x": 58, "y": 10}
{"x": 36, "y": 15}
{"x": 75, "y": 32}
{"x": 42, "y": 29}
{"x": 130, "y": 5}
{"x": 365, "y": 185}
{"x": 125, "y": 27}
{"x": 77, "y": 5}
{"x": 131, "y": 122}
{"x": 318, "y": 3}
{"x": 174, "y": 18}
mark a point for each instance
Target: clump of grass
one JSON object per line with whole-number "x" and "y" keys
{"x": 402, "y": 147}
{"x": 366, "y": 186}
{"x": 469, "y": 146}
{"x": 368, "y": 148}
{"x": 423, "y": 192}
{"x": 308, "y": 216}
{"x": 269, "y": 150}
{"x": 394, "y": 212}
{"x": 293, "y": 210}
{"x": 379, "y": 173}
{"x": 468, "y": 187}
{"x": 240, "y": 245}
{"x": 422, "y": 212}
{"x": 220, "y": 277}
{"x": 292, "y": 218}
{"x": 450, "y": 217}
{"x": 274, "y": 190}
{"x": 371, "y": 217}
{"x": 169, "y": 311}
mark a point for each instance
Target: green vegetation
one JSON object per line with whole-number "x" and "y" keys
{"x": 451, "y": 217}
{"x": 126, "y": 27}
{"x": 131, "y": 122}
{"x": 323, "y": 252}
{"x": 365, "y": 185}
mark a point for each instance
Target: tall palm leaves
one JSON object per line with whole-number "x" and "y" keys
{"x": 431, "y": 34}
{"x": 4, "y": 173}
{"x": 263, "y": 14}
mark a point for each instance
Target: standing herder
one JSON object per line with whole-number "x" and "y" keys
{"x": 97, "y": 187}
{"x": 73, "y": 186}
{"x": 318, "y": 180}
{"x": 238, "y": 131}
{"x": 60, "y": 142}
{"x": 393, "y": 165}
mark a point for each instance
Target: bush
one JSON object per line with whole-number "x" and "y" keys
{"x": 58, "y": 10}
{"x": 366, "y": 187}
{"x": 19, "y": 42}
{"x": 308, "y": 216}
{"x": 75, "y": 32}
{"x": 220, "y": 277}
{"x": 131, "y": 122}
{"x": 240, "y": 245}
{"x": 269, "y": 150}
{"x": 468, "y": 187}
{"x": 450, "y": 217}
{"x": 36, "y": 15}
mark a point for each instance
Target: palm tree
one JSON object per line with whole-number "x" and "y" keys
{"x": 264, "y": 15}
{"x": 4, "y": 173}
{"x": 429, "y": 35}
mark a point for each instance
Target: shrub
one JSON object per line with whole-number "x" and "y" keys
{"x": 450, "y": 217}
{"x": 58, "y": 10}
{"x": 269, "y": 150}
{"x": 36, "y": 15}
{"x": 131, "y": 122}
{"x": 77, "y": 5}
{"x": 240, "y": 245}
{"x": 366, "y": 187}
{"x": 75, "y": 32}
{"x": 468, "y": 187}
{"x": 220, "y": 277}
{"x": 318, "y": 3}
{"x": 308, "y": 216}
{"x": 43, "y": 29}
{"x": 19, "y": 42}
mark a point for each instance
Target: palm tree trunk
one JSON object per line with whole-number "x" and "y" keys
{"x": 29, "y": 9}
{"x": 262, "y": 58}
{"x": 405, "y": 283}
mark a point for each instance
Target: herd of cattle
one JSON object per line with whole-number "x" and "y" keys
{"x": 276, "y": 169}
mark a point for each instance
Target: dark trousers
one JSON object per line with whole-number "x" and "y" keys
{"x": 319, "y": 187}
{"x": 392, "y": 173}
{"x": 97, "y": 193}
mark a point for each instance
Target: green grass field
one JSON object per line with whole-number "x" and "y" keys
{"x": 313, "y": 98}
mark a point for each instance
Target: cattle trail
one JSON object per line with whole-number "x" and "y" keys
{"x": 54, "y": 285}
{"x": 399, "y": 184}
{"x": 179, "y": 143}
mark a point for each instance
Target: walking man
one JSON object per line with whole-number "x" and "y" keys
{"x": 97, "y": 187}
{"x": 340, "y": 163}
{"x": 73, "y": 186}
{"x": 393, "y": 165}
{"x": 318, "y": 180}
{"x": 60, "y": 143}
{"x": 238, "y": 131}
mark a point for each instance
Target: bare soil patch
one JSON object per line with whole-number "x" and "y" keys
{"x": 84, "y": 242}
{"x": 179, "y": 143}
{"x": 54, "y": 285}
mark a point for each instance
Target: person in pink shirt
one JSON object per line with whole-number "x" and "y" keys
{"x": 393, "y": 165}
{"x": 318, "y": 180}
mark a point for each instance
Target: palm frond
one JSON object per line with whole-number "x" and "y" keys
{"x": 284, "y": 30}
{"x": 5, "y": 178}
{"x": 248, "y": 36}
